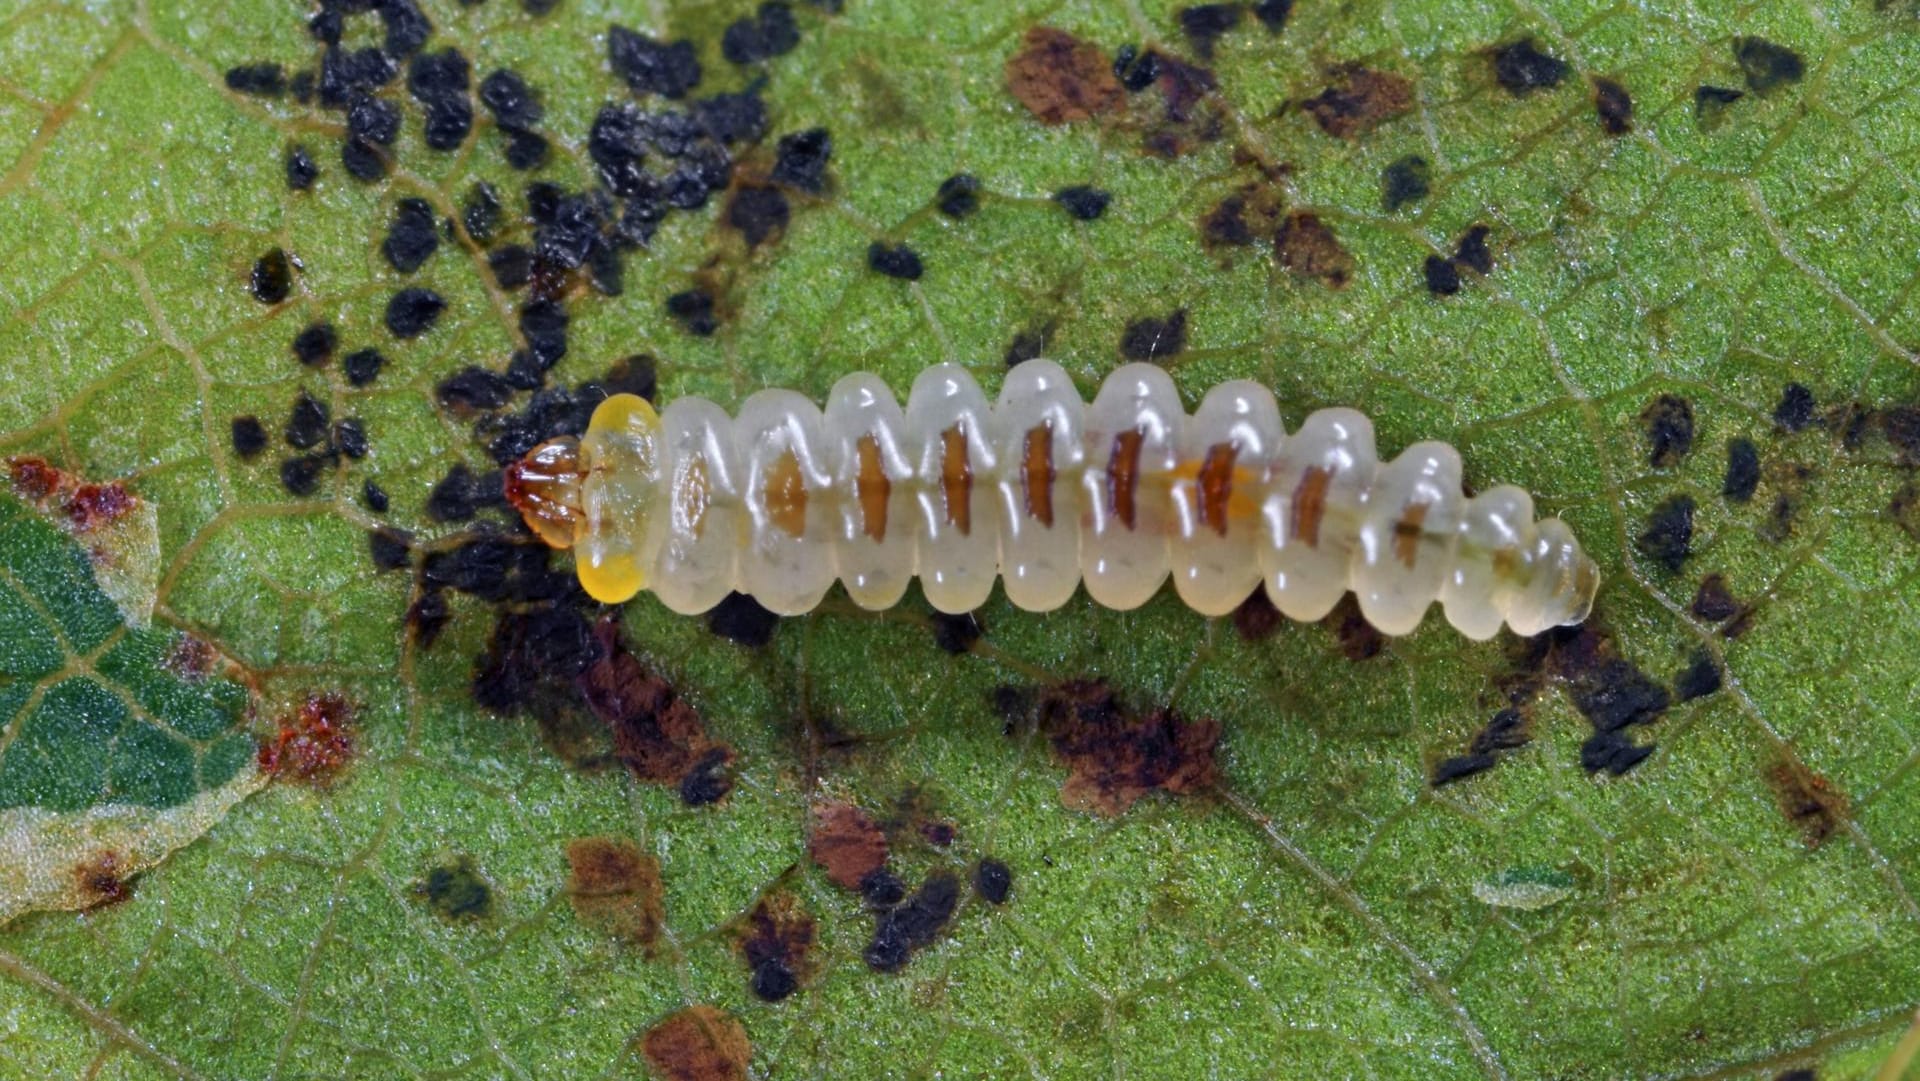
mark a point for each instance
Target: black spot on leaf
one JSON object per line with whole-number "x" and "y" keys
{"x": 741, "y": 619}
{"x": 1710, "y": 104}
{"x": 249, "y": 436}
{"x": 1668, "y": 536}
{"x": 1405, "y": 180}
{"x": 1082, "y": 202}
{"x": 362, "y": 366}
{"x": 758, "y": 213}
{"x": 1668, "y": 422}
{"x": 307, "y": 423}
{"x": 1743, "y": 470}
{"x": 1795, "y": 409}
{"x": 272, "y": 277}
{"x": 1522, "y": 68}
{"x": 800, "y": 159}
{"x": 1205, "y": 24}
{"x": 1614, "y": 107}
{"x": 266, "y": 80}
{"x": 1443, "y": 278}
{"x": 959, "y": 195}
{"x": 993, "y": 881}
{"x": 769, "y": 32}
{"x": 895, "y": 261}
{"x": 1153, "y": 338}
{"x": 1767, "y": 66}
{"x": 693, "y": 309}
{"x": 313, "y": 346}
{"x": 1699, "y": 679}
{"x": 412, "y": 237}
{"x": 301, "y": 475}
{"x": 412, "y": 312}
{"x": 668, "y": 69}
{"x": 301, "y": 170}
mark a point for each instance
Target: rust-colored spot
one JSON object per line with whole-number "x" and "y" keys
{"x": 692, "y": 495}
{"x": 657, "y": 735}
{"x": 1215, "y": 483}
{"x": 872, "y": 488}
{"x": 615, "y": 888}
{"x": 956, "y": 479}
{"x": 1036, "y": 474}
{"x": 1123, "y": 476}
{"x": 1406, "y": 533}
{"x": 844, "y": 841}
{"x": 700, "y": 1043}
{"x": 1810, "y": 802}
{"x": 1358, "y": 100}
{"x": 92, "y": 506}
{"x": 314, "y": 742}
{"x": 33, "y": 478}
{"x": 1062, "y": 79}
{"x": 776, "y": 942}
{"x": 102, "y": 880}
{"x": 1308, "y": 247}
{"x": 786, "y": 495}
{"x": 1310, "y": 505}
{"x": 1115, "y": 757}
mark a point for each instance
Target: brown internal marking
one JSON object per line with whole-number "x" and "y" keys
{"x": 1406, "y": 533}
{"x": 692, "y": 495}
{"x": 1123, "y": 476}
{"x": 1036, "y": 473}
{"x": 786, "y": 496}
{"x": 872, "y": 488}
{"x": 1310, "y": 504}
{"x": 1216, "y": 486}
{"x": 956, "y": 479}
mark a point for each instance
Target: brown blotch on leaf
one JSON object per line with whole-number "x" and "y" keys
{"x": 1114, "y": 757}
{"x": 1250, "y": 215}
{"x": 847, "y": 843}
{"x": 657, "y": 734}
{"x": 1811, "y": 803}
{"x": 313, "y": 743}
{"x": 1613, "y": 105}
{"x": 1359, "y": 640}
{"x": 1668, "y": 420}
{"x": 776, "y": 942}
{"x": 101, "y": 880}
{"x": 91, "y": 506}
{"x": 33, "y": 478}
{"x": 1188, "y": 115}
{"x": 1359, "y": 99}
{"x": 615, "y": 888}
{"x": 1713, "y": 601}
{"x": 1062, "y": 79}
{"x": 1256, "y": 618}
{"x": 1308, "y": 247}
{"x": 700, "y": 1043}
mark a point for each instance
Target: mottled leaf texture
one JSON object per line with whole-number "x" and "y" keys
{"x": 1654, "y": 262}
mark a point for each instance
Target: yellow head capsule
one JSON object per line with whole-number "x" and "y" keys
{"x": 620, "y": 532}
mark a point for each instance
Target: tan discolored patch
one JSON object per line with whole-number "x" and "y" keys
{"x": 1249, "y": 215}
{"x": 1809, "y": 801}
{"x": 1062, "y": 79}
{"x": 1123, "y": 477}
{"x": 1215, "y": 482}
{"x": 956, "y": 479}
{"x": 786, "y": 495}
{"x": 871, "y": 488}
{"x": 657, "y": 734}
{"x": 1309, "y": 506}
{"x": 615, "y": 888}
{"x": 700, "y": 1043}
{"x": 1308, "y": 247}
{"x": 1114, "y": 757}
{"x": 1359, "y": 99}
{"x": 1036, "y": 474}
{"x": 847, "y": 843}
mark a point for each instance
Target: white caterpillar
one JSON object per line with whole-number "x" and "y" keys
{"x": 1047, "y": 493}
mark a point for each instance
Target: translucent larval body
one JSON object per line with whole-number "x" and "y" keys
{"x": 1047, "y": 492}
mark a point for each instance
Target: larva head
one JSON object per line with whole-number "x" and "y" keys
{"x": 544, "y": 486}
{"x": 620, "y": 529}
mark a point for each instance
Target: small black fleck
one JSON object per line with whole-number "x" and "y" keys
{"x": 427, "y": 617}
{"x": 632, "y": 375}
{"x": 363, "y": 366}
{"x": 758, "y": 213}
{"x": 706, "y": 781}
{"x": 959, "y": 195}
{"x": 535, "y": 8}
{"x": 1273, "y": 14}
{"x": 452, "y": 500}
{"x": 768, "y": 33}
{"x": 1766, "y": 65}
{"x": 249, "y": 436}
{"x": 1453, "y": 769}
{"x": 1902, "y": 427}
{"x": 800, "y": 159}
{"x": 1083, "y": 202}
{"x": 363, "y": 160}
{"x": 1522, "y": 68}
{"x": 1743, "y": 470}
{"x": 301, "y": 83}
{"x": 473, "y": 388}
{"x": 439, "y": 77}
{"x": 895, "y": 261}
{"x": 1136, "y": 70}
{"x": 888, "y": 952}
{"x": 413, "y": 236}
{"x": 313, "y": 346}
{"x": 327, "y": 25}
{"x": 1668, "y": 420}
{"x": 511, "y": 101}
{"x": 955, "y": 633}
{"x": 376, "y": 120}
{"x": 668, "y": 69}
{"x": 1710, "y": 105}
{"x": 1472, "y": 252}
{"x": 301, "y": 476}
{"x": 480, "y": 213}
{"x": 1443, "y": 278}
{"x": 1504, "y": 731}
{"x": 742, "y": 620}
{"x": 375, "y": 497}
{"x": 993, "y": 881}
{"x": 526, "y": 150}
{"x": 1614, "y": 694}
{"x": 457, "y": 891}
{"x": 272, "y": 278}
{"x": 1714, "y": 602}
{"x": 448, "y": 122}
{"x": 914, "y": 923}
{"x": 348, "y": 73}
{"x": 882, "y": 888}
{"x": 512, "y": 265}
{"x": 773, "y": 980}
{"x": 544, "y": 324}
{"x": 1614, "y": 752}
{"x": 307, "y": 423}
{"x": 390, "y": 548}
{"x": 1668, "y": 537}
{"x": 412, "y": 312}
{"x": 301, "y": 170}
{"x": 1796, "y": 407}
{"x": 407, "y": 27}
{"x": 1698, "y": 680}
{"x": 350, "y": 438}
{"x": 1406, "y": 180}
{"x": 1025, "y": 346}
{"x": 1614, "y": 107}
{"x": 1206, "y": 24}
{"x": 1153, "y": 338}
{"x": 693, "y": 309}
{"x": 733, "y": 118}
{"x": 265, "y": 80}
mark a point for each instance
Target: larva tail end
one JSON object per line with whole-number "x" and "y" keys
{"x": 544, "y": 486}
{"x": 1586, "y": 584}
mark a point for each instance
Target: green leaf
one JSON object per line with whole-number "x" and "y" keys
{"x": 1740, "y": 901}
